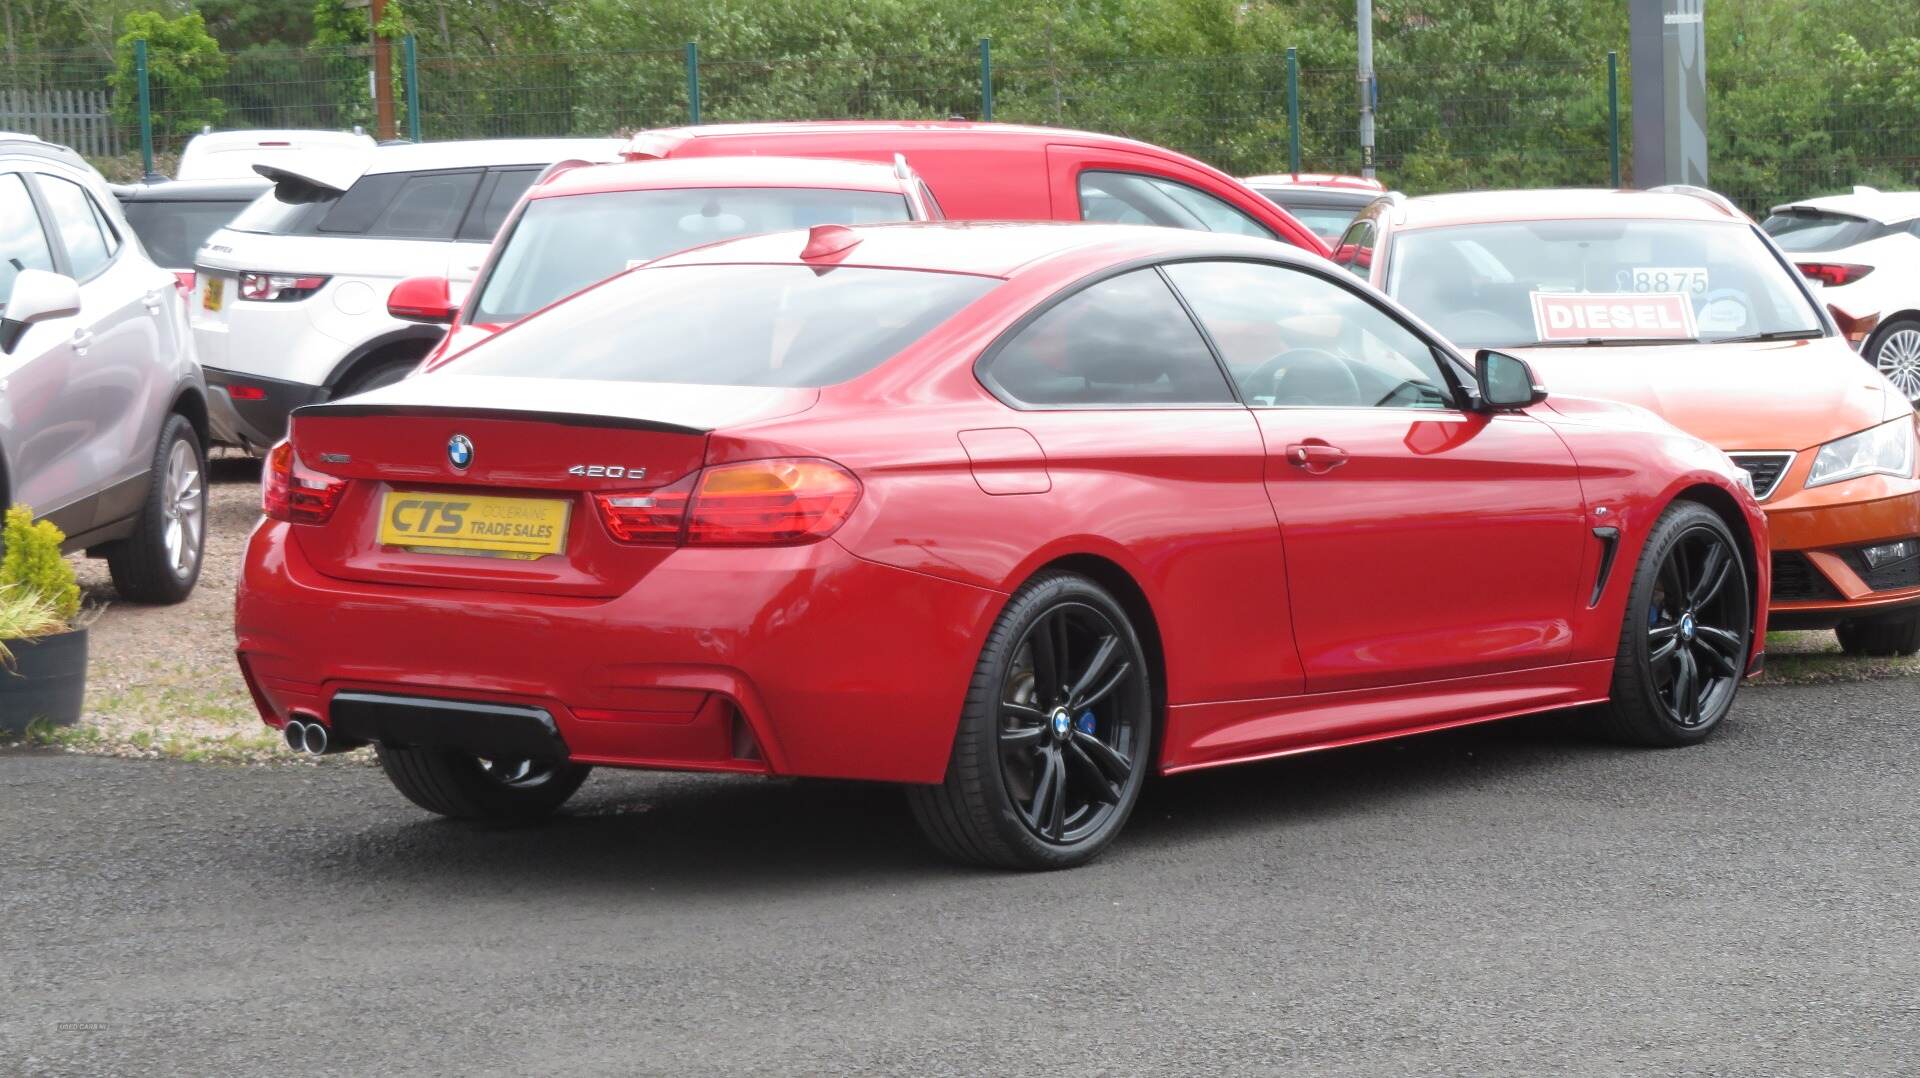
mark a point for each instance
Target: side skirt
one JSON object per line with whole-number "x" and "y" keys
{"x": 1241, "y": 731}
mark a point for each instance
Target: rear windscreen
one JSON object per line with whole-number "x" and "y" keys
{"x": 563, "y": 244}
{"x": 800, "y": 326}
{"x": 1808, "y": 230}
{"x": 287, "y": 209}
{"x": 173, "y": 231}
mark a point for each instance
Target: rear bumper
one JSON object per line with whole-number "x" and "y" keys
{"x": 1820, "y": 578}
{"x": 254, "y": 422}
{"x": 792, "y": 661}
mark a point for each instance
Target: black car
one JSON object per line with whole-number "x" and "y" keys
{"x": 174, "y": 217}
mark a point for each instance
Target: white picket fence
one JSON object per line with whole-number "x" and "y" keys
{"x": 82, "y": 119}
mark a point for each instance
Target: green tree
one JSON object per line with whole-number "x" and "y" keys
{"x": 184, "y": 67}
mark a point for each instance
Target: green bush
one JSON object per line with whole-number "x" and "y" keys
{"x": 184, "y": 65}
{"x": 33, "y": 563}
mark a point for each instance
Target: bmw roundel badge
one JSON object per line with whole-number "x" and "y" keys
{"x": 459, "y": 451}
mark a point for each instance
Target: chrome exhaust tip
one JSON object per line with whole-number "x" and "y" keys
{"x": 295, "y": 733}
{"x": 314, "y": 739}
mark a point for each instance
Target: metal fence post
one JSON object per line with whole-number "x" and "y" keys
{"x": 693, "y": 82}
{"x": 1613, "y": 113}
{"x": 146, "y": 106}
{"x": 1293, "y": 110}
{"x": 410, "y": 53}
{"x": 986, "y": 80}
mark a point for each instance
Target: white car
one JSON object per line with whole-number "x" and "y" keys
{"x": 1864, "y": 249}
{"x": 103, "y": 414}
{"x": 232, "y": 155}
{"x": 289, "y": 304}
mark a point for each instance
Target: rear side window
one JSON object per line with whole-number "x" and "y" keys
{"x": 172, "y": 232}
{"x": 800, "y": 326}
{"x": 22, "y": 244}
{"x": 78, "y": 221}
{"x": 404, "y": 205}
{"x": 1124, "y": 342}
{"x": 1131, "y": 198}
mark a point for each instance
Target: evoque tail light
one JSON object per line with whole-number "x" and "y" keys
{"x": 756, "y": 502}
{"x": 279, "y": 287}
{"x": 1834, "y": 274}
{"x": 292, "y": 492}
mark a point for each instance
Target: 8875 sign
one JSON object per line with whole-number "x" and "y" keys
{"x": 1689, "y": 279}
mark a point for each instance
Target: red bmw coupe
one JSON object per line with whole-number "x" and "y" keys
{"x": 1012, "y": 515}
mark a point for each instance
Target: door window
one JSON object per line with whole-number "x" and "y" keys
{"x": 22, "y": 244}
{"x": 428, "y": 207}
{"x": 1132, "y": 198}
{"x": 1124, "y": 342}
{"x": 1294, "y": 339}
{"x": 78, "y": 222}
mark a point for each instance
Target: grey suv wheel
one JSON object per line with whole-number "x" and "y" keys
{"x": 160, "y": 561}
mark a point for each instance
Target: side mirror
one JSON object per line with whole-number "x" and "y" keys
{"x": 38, "y": 295}
{"x": 422, "y": 299}
{"x": 1505, "y": 381}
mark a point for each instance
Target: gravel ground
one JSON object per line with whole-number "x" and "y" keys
{"x": 1511, "y": 900}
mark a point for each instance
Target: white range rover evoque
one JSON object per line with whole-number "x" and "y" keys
{"x": 290, "y": 299}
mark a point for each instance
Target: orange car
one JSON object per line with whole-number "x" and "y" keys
{"x": 1674, "y": 300}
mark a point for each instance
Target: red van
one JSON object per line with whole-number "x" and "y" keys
{"x": 985, "y": 171}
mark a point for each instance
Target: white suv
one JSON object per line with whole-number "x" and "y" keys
{"x": 289, "y": 306}
{"x": 1864, "y": 248}
{"x": 103, "y": 414}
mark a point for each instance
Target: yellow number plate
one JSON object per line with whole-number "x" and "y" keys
{"x": 522, "y": 528}
{"x": 210, "y": 298}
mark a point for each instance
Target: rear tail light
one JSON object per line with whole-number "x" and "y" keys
{"x": 756, "y": 502}
{"x": 1855, "y": 327}
{"x": 184, "y": 279}
{"x": 240, "y": 391}
{"x": 1834, "y": 274}
{"x": 292, "y": 492}
{"x": 279, "y": 287}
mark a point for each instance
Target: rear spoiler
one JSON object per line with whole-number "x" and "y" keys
{"x": 328, "y": 176}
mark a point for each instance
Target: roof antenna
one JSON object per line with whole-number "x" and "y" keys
{"x": 824, "y": 240}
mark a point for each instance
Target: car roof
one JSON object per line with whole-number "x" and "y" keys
{"x": 191, "y": 190}
{"x": 1327, "y": 180}
{"x": 808, "y": 172}
{"x": 988, "y": 248}
{"x": 1886, "y": 207}
{"x": 1482, "y": 207}
{"x": 659, "y": 142}
{"x": 479, "y": 153}
{"x": 16, "y": 143}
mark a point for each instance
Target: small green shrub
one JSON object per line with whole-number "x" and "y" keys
{"x": 24, "y": 615}
{"x": 34, "y": 565}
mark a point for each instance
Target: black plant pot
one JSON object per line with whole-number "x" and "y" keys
{"x": 48, "y": 681}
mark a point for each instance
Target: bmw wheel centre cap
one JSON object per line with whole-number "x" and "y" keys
{"x": 459, "y": 451}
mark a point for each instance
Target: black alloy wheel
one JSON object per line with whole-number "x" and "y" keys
{"x": 1054, "y": 740}
{"x": 1687, "y": 631}
{"x": 1068, "y": 746}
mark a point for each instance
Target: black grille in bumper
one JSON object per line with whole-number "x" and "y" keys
{"x": 1904, "y": 573}
{"x": 1795, "y": 579}
{"x": 1765, "y": 469}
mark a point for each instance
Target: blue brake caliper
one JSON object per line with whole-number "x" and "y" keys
{"x": 1085, "y": 725}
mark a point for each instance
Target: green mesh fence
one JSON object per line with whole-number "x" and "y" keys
{"x": 1438, "y": 127}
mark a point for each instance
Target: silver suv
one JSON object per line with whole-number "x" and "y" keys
{"x": 103, "y": 414}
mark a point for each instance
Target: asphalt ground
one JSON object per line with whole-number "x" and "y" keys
{"x": 1513, "y": 899}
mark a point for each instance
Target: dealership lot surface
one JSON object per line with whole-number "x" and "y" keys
{"x": 1510, "y": 900}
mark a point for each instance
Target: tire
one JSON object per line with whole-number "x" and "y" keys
{"x": 1692, "y": 614}
{"x": 1896, "y": 635}
{"x": 385, "y": 374}
{"x": 1019, "y": 791}
{"x": 1895, "y": 352}
{"x": 160, "y": 561}
{"x": 465, "y": 787}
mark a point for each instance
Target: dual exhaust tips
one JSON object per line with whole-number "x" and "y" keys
{"x": 305, "y": 735}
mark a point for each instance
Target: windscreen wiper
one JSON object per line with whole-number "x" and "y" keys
{"x": 1610, "y": 342}
{"x": 1773, "y": 335}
